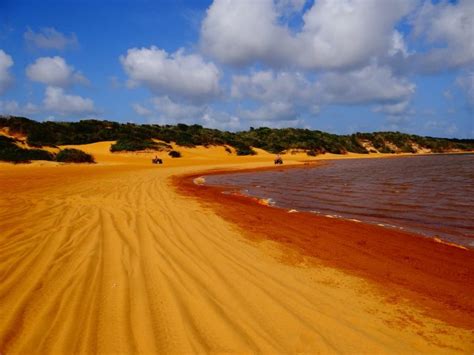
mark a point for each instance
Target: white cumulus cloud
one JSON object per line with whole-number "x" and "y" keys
{"x": 285, "y": 95}
{"x": 466, "y": 83}
{"x": 272, "y": 111}
{"x": 397, "y": 109}
{"x": 449, "y": 30}
{"x": 56, "y": 100}
{"x": 335, "y": 34}
{"x": 6, "y": 78}
{"x": 347, "y": 33}
{"x": 280, "y": 96}
{"x": 142, "y": 110}
{"x": 398, "y": 45}
{"x": 12, "y": 107}
{"x": 54, "y": 71}
{"x": 241, "y": 32}
{"x": 164, "y": 107}
{"x": 371, "y": 84}
{"x": 220, "y": 120}
{"x": 267, "y": 85}
{"x": 164, "y": 110}
{"x": 177, "y": 75}
{"x": 49, "y": 38}
{"x": 168, "y": 108}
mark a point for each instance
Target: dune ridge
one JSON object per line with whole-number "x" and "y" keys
{"x": 111, "y": 259}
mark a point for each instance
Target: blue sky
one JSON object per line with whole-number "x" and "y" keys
{"x": 338, "y": 66}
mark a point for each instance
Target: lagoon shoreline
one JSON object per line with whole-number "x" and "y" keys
{"x": 436, "y": 276}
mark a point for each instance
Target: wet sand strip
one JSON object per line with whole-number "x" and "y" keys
{"x": 435, "y": 277}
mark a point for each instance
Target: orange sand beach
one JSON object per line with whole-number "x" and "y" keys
{"x": 114, "y": 258}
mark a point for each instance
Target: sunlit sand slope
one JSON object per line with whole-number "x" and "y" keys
{"x": 110, "y": 259}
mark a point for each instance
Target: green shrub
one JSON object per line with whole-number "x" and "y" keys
{"x": 311, "y": 153}
{"x": 407, "y": 148}
{"x": 7, "y": 142}
{"x": 70, "y": 155}
{"x": 163, "y": 146}
{"x": 10, "y": 152}
{"x": 40, "y": 136}
{"x": 245, "y": 151}
{"x": 13, "y": 155}
{"x": 135, "y": 144}
{"x": 174, "y": 154}
{"x": 38, "y": 154}
{"x": 275, "y": 148}
{"x": 19, "y": 155}
{"x": 386, "y": 150}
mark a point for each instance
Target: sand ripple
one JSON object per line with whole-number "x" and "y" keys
{"x": 114, "y": 261}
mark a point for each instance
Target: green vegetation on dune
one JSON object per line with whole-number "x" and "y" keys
{"x": 135, "y": 144}
{"x": 11, "y": 152}
{"x": 132, "y": 137}
{"x": 174, "y": 154}
{"x": 405, "y": 142}
{"x": 71, "y": 155}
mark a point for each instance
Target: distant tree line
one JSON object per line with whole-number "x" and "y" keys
{"x": 130, "y": 137}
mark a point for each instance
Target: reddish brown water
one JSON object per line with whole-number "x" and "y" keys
{"x": 430, "y": 195}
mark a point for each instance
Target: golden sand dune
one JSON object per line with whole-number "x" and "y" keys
{"x": 109, "y": 258}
